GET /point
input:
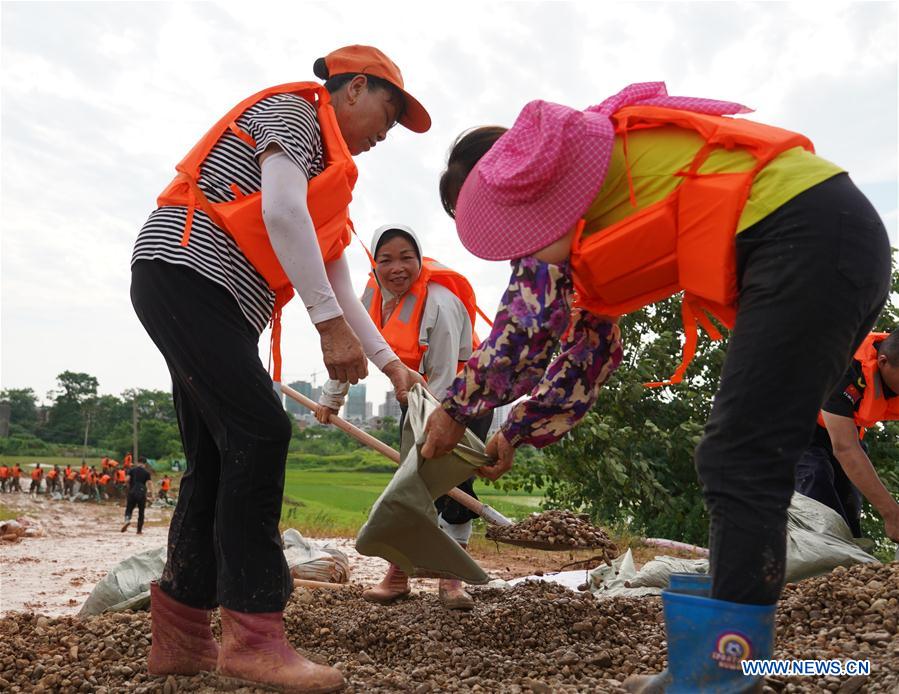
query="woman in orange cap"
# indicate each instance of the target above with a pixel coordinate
(258, 209)
(628, 203)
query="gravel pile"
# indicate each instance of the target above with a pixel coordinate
(536, 637)
(557, 530)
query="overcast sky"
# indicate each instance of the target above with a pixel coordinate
(100, 100)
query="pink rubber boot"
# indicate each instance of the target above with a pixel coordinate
(181, 641)
(393, 586)
(255, 650)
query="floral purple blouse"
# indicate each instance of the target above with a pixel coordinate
(535, 317)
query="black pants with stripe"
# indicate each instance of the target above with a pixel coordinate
(224, 546)
(813, 278)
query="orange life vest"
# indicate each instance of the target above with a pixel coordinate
(70, 473)
(4, 472)
(120, 476)
(16, 471)
(874, 406)
(104, 479)
(328, 199)
(83, 472)
(402, 328)
(685, 242)
(52, 474)
(37, 473)
(127, 461)
(166, 484)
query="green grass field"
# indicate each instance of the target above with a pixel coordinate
(28, 461)
(337, 503)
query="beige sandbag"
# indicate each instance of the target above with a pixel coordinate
(402, 526)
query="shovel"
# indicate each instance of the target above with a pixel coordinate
(488, 513)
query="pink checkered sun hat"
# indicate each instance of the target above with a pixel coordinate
(539, 178)
(535, 182)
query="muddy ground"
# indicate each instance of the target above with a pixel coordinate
(535, 637)
(53, 574)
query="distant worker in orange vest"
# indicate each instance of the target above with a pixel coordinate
(426, 312)
(36, 476)
(4, 476)
(259, 208)
(604, 211)
(103, 485)
(15, 478)
(127, 461)
(53, 480)
(835, 469)
(119, 479)
(68, 481)
(164, 488)
(82, 473)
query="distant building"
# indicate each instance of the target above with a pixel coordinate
(355, 409)
(390, 407)
(303, 388)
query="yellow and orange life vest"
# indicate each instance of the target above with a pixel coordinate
(402, 328)
(328, 198)
(685, 242)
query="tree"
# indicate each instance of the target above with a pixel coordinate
(72, 406)
(23, 407)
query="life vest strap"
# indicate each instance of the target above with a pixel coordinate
(242, 134)
(693, 314)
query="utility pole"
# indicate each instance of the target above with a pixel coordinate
(134, 428)
(87, 428)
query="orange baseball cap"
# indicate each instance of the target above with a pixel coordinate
(368, 60)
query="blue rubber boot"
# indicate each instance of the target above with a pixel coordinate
(707, 639)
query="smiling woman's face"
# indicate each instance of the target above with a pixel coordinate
(364, 115)
(397, 265)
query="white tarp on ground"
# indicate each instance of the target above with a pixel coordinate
(127, 585)
(818, 540)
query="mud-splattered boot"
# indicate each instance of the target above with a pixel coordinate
(255, 651)
(453, 596)
(182, 642)
(394, 586)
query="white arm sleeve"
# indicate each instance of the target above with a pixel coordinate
(374, 344)
(290, 230)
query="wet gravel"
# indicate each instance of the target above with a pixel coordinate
(536, 637)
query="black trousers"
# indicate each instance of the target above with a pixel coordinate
(820, 476)
(224, 545)
(813, 278)
(140, 502)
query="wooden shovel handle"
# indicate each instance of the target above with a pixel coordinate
(455, 493)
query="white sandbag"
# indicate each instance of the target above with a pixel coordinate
(127, 585)
(314, 561)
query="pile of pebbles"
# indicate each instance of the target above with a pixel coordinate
(536, 637)
(558, 530)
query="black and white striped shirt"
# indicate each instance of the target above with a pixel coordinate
(287, 120)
